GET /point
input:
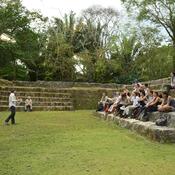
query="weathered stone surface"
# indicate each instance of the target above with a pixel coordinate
(156, 115)
(81, 98)
(43, 99)
(58, 84)
(41, 108)
(147, 129)
(158, 81)
(5, 83)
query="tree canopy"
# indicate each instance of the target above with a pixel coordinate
(92, 47)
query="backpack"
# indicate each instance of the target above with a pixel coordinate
(100, 107)
(163, 120)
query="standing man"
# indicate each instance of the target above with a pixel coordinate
(12, 107)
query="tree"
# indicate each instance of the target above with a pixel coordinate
(159, 12)
(154, 63)
(105, 20)
(59, 54)
(15, 21)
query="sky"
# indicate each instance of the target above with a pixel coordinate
(58, 8)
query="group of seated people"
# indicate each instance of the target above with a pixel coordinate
(136, 103)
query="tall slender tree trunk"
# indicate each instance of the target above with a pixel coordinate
(173, 55)
(14, 68)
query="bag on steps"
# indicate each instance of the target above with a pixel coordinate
(163, 120)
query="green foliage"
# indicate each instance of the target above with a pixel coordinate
(15, 23)
(159, 12)
(155, 63)
(59, 55)
(104, 50)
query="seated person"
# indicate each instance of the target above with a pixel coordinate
(168, 103)
(134, 104)
(123, 101)
(113, 106)
(110, 101)
(102, 102)
(172, 85)
(28, 104)
(146, 89)
(143, 98)
(136, 87)
(151, 106)
(172, 80)
(125, 90)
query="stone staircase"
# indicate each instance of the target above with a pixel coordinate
(161, 134)
(44, 99)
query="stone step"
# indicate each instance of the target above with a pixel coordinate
(161, 134)
(61, 84)
(40, 99)
(153, 116)
(34, 89)
(38, 94)
(5, 103)
(41, 108)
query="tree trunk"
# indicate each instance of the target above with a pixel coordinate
(174, 56)
(14, 69)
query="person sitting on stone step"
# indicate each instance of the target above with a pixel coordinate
(28, 104)
(142, 102)
(110, 102)
(116, 101)
(102, 102)
(172, 83)
(151, 106)
(146, 89)
(168, 103)
(125, 90)
(123, 101)
(134, 104)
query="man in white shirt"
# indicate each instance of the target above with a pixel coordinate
(12, 107)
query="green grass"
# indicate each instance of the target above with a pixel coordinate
(76, 143)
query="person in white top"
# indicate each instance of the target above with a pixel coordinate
(135, 103)
(172, 80)
(28, 104)
(12, 107)
(168, 87)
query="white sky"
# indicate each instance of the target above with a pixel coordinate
(58, 8)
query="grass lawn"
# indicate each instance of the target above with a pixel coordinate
(76, 143)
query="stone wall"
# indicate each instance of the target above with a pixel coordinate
(61, 84)
(88, 98)
(5, 83)
(85, 95)
(159, 81)
(161, 134)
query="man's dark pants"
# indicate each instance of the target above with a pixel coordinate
(12, 115)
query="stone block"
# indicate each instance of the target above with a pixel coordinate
(147, 129)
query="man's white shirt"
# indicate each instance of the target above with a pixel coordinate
(12, 100)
